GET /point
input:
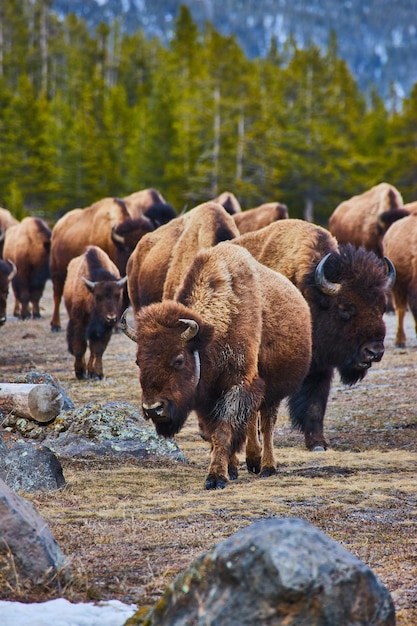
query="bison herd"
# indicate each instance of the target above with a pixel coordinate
(234, 311)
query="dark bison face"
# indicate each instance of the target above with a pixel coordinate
(348, 304)
(168, 356)
(107, 299)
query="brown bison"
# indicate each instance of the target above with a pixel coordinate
(7, 273)
(364, 219)
(152, 204)
(345, 288)
(6, 220)
(229, 201)
(92, 297)
(106, 224)
(235, 339)
(28, 244)
(257, 218)
(400, 244)
(155, 268)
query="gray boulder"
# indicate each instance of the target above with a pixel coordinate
(276, 572)
(29, 554)
(28, 466)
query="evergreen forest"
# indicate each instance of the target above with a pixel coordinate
(85, 115)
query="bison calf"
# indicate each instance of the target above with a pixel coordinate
(235, 339)
(92, 296)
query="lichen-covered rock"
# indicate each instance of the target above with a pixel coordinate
(28, 466)
(280, 572)
(113, 429)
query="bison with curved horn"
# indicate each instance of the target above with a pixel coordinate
(92, 296)
(346, 289)
(234, 340)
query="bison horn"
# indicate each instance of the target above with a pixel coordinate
(321, 281)
(191, 330)
(116, 237)
(128, 330)
(90, 283)
(391, 273)
(121, 282)
(13, 272)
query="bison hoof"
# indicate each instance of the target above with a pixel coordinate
(318, 448)
(268, 471)
(232, 471)
(253, 465)
(56, 329)
(216, 482)
(80, 375)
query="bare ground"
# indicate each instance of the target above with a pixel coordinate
(128, 528)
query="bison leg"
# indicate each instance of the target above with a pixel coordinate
(400, 301)
(97, 348)
(233, 467)
(308, 406)
(58, 289)
(268, 419)
(221, 441)
(77, 346)
(253, 446)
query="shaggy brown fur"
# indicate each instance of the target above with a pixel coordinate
(93, 307)
(157, 264)
(400, 246)
(27, 244)
(263, 215)
(364, 219)
(253, 340)
(106, 224)
(229, 201)
(151, 203)
(347, 319)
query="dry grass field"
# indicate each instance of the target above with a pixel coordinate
(128, 528)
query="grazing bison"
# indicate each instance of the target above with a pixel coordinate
(400, 244)
(6, 220)
(106, 224)
(151, 203)
(235, 339)
(363, 220)
(345, 288)
(7, 273)
(92, 297)
(155, 268)
(229, 201)
(28, 244)
(257, 218)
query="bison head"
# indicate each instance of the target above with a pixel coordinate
(107, 298)
(170, 339)
(347, 294)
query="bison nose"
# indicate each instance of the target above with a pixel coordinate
(153, 411)
(111, 318)
(2, 321)
(373, 352)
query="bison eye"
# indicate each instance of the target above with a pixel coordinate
(178, 362)
(346, 311)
